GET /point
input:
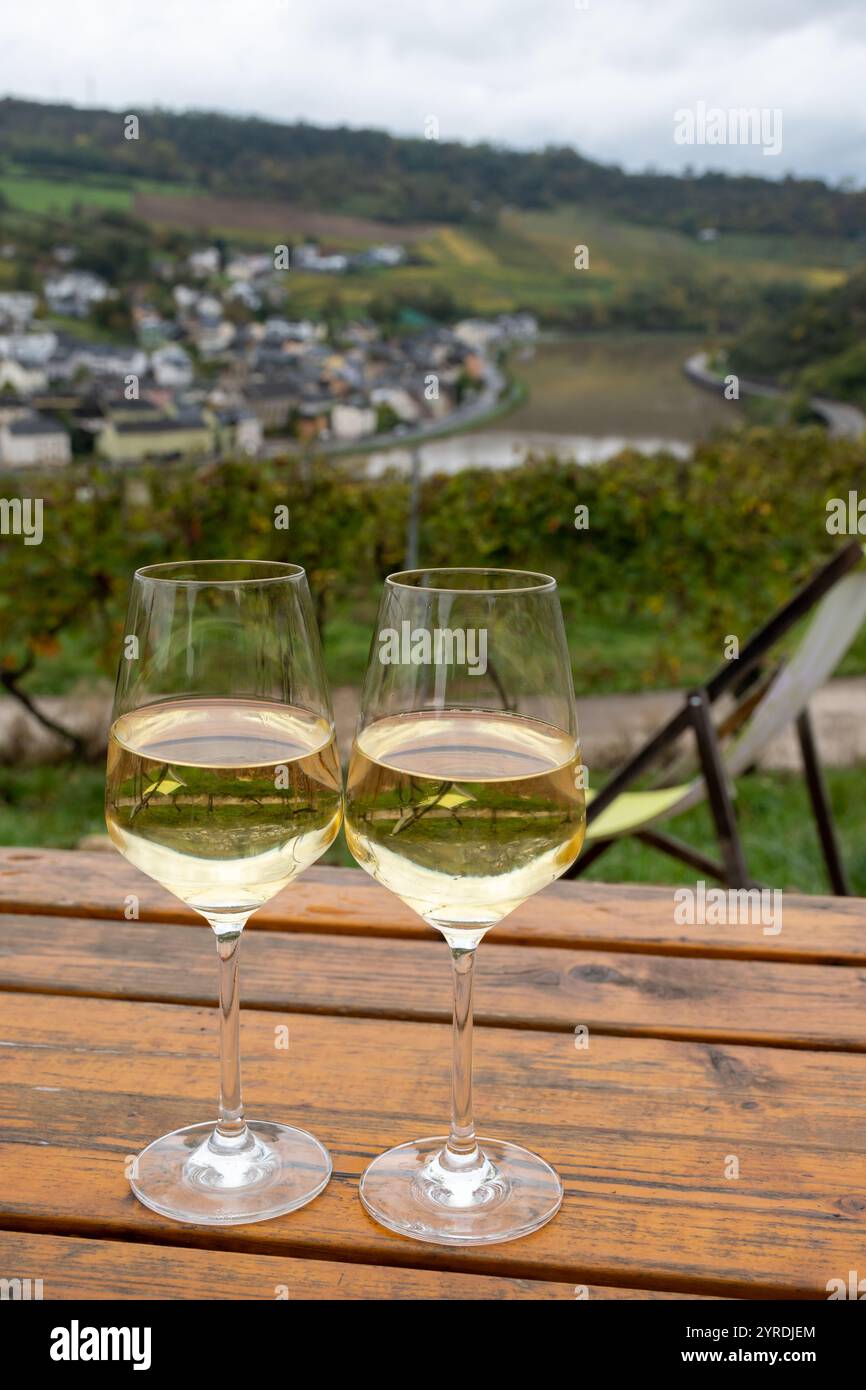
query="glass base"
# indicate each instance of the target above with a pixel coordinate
(500, 1193)
(196, 1175)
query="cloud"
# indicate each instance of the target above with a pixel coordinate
(606, 79)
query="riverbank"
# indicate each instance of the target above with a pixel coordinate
(581, 398)
(843, 421)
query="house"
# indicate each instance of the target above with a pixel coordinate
(477, 334)
(387, 255)
(75, 292)
(14, 376)
(213, 337)
(183, 434)
(312, 420)
(279, 330)
(30, 349)
(121, 411)
(242, 292)
(309, 257)
(11, 406)
(352, 420)
(185, 298)
(172, 366)
(360, 332)
(106, 359)
(240, 432)
(152, 330)
(204, 262)
(62, 364)
(404, 406)
(272, 401)
(246, 266)
(30, 440)
(208, 309)
(17, 309)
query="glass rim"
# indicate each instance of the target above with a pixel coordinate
(271, 572)
(536, 581)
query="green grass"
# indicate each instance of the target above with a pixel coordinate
(778, 830)
(42, 196)
(51, 805)
(56, 806)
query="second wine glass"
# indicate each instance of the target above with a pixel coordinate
(465, 796)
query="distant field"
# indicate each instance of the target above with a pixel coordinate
(526, 261)
(269, 219)
(44, 196)
(47, 195)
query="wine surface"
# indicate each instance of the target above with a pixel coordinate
(222, 801)
(464, 814)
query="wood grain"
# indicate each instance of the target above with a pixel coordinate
(530, 987)
(103, 1269)
(622, 917)
(641, 1131)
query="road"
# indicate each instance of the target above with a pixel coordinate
(843, 421)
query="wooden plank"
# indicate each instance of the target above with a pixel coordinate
(530, 987)
(623, 917)
(642, 1131)
(71, 1268)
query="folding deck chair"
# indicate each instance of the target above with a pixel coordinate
(762, 707)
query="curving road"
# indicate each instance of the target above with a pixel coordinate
(843, 421)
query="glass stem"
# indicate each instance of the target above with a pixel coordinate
(231, 1114)
(461, 1151)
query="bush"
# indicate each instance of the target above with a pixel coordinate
(676, 555)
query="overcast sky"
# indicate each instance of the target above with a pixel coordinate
(607, 78)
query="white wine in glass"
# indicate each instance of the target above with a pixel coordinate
(223, 784)
(223, 802)
(464, 813)
(465, 797)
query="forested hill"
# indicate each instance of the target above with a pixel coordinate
(366, 172)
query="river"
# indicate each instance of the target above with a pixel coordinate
(589, 397)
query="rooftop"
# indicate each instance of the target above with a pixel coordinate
(35, 424)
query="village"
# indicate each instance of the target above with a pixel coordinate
(213, 366)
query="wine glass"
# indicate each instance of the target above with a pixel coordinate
(464, 797)
(223, 784)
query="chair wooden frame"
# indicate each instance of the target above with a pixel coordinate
(695, 715)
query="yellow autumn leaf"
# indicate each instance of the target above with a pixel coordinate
(164, 787)
(449, 800)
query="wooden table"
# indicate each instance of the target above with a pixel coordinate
(706, 1045)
